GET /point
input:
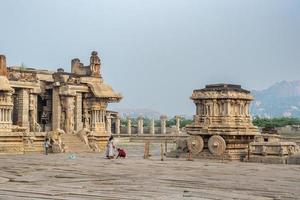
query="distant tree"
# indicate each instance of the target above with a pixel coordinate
(275, 122)
(169, 123)
(123, 121)
(147, 121)
(134, 121)
(185, 122)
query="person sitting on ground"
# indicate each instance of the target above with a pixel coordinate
(121, 153)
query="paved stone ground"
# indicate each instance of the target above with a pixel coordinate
(90, 176)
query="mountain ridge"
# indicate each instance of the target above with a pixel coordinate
(280, 99)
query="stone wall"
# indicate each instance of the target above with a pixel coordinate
(292, 130)
(21, 143)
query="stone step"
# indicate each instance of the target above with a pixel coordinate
(70, 143)
(78, 148)
(74, 144)
(77, 145)
(29, 148)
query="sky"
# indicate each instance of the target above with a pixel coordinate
(156, 52)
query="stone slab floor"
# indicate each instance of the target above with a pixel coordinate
(90, 176)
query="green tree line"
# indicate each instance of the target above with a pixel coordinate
(276, 122)
(260, 122)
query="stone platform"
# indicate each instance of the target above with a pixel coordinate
(90, 176)
(292, 160)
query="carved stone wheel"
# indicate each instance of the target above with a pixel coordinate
(195, 144)
(216, 145)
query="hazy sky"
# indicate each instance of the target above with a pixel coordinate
(156, 52)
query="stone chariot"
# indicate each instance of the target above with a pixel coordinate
(222, 126)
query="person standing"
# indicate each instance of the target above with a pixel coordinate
(46, 145)
(110, 148)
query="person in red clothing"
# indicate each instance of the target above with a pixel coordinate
(121, 153)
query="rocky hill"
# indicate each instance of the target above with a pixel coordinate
(281, 99)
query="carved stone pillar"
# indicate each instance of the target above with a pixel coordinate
(243, 109)
(33, 112)
(202, 108)
(163, 128)
(221, 107)
(215, 107)
(128, 126)
(152, 127)
(6, 106)
(227, 104)
(23, 114)
(108, 124)
(85, 114)
(93, 120)
(198, 108)
(231, 107)
(56, 109)
(234, 107)
(70, 114)
(177, 118)
(140, 125)
(78, 112)
(240, 108)
(102, 116)
(68, 107)
(118, 124)
(3, 67)
(247, 108)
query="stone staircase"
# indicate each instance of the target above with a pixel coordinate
(74, 144)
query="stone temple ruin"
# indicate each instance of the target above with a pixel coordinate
(35, 104)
